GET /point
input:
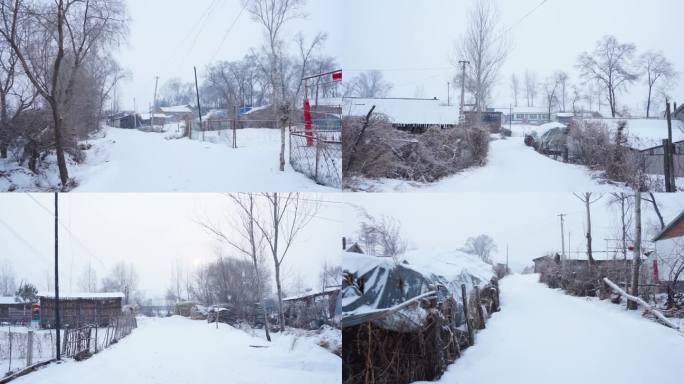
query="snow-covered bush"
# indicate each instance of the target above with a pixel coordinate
(379, 150)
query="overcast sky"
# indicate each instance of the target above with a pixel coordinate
(151, 231)
(168, 37)
(526, 222)
(414, 41)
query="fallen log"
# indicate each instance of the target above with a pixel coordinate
(641, 302)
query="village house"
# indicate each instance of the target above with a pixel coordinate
(78, 309)
(14, 311)
(527, 115)
(176, 113)
(159, 119)
(654, 162)
(678, 113)
(668, 256)
(127, 120)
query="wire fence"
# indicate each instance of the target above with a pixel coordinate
(318, 155)
(24, 347)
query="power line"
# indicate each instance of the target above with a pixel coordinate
(71, 233)
(23, 240)
(225, 36)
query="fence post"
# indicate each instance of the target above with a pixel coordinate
(480, 314)
(318, 158)
(64, 343)
(29, 348)
(471, 338)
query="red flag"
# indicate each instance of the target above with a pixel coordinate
(308, 123)
(337, 76)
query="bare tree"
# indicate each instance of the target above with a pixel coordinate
(122, 278)
(482, 246)
(369, 84)
(530, 87)
(330, 275)
(52, 42)
(8, 279)
(656, 67)
(11, 88)
(273, 15)
(515, 88)
(588, 200)
(280, 223)
(306, 52)
(249, 241)
(88, 279)
(636, 261)
(485, 48)
(610, 64)
(382, 237)
(550, 87)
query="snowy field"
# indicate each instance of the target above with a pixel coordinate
(512, 167)
(135, 161)
(179, 351)
(543, 336)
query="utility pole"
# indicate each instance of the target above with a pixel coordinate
(199, 106)
(154, 102)
(448, 94)
(562, 222)
(59, 356)
(463, 65)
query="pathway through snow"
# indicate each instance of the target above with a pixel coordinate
(544, 336)
(512, 166)
(135, 161)
(177, 350)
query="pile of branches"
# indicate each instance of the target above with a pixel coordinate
(377, 150)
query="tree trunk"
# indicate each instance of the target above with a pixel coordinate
(4, 128)
(276, 235)
(637, 251)
(589, 252)
(648, 102)
(59, 147)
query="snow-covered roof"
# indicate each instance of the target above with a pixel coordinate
(399, 111)
(671, 230)
(147, 116)
(9, 300)
(565, 114)
(647, 133)
(177, 109)
(543, 110)
(311, 294)
(83, 295)
(255, 109)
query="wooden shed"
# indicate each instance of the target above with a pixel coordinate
(14, 312)
(78, 309)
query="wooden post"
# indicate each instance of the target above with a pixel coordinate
(236, 121)
(29, 348)
(670, 183)
(471, 338)
(666, 165)
(480, 314)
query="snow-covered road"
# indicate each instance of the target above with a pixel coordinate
(511, 167)
(133, 161)
(544, 336)
(181, 351)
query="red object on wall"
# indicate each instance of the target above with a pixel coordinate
(655, 271)
(308, 123)
(337, 76)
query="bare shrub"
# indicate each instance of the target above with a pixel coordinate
(382, 151)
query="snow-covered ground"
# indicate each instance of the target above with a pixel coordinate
(179, 351)
(134, 161)
(544, 336)
(512, 167)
